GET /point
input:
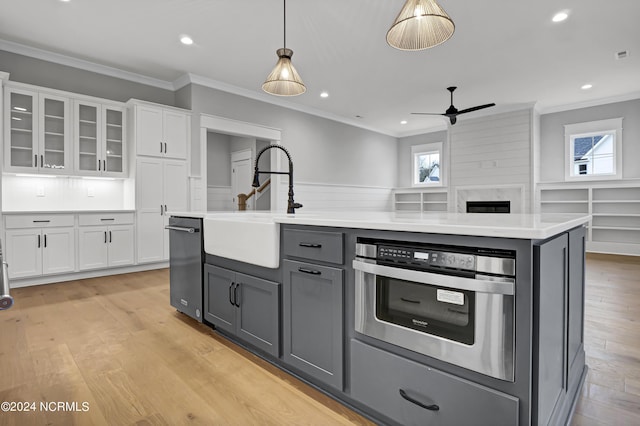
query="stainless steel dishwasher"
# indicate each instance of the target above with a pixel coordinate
(185, 260)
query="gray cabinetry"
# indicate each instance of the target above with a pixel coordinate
(414, 394)
(245, 306)
(313, 320)
(320, 246)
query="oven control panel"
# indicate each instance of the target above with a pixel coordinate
(425, 258)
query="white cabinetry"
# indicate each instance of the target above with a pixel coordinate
(161, 185)
(99, 132)
(37, 136)
(161, 131)
(105, 240)
(614, 210)
(39, 244)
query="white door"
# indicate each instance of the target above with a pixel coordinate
(23, 253)
(120, 245)
(175, 194)
(241, 177)
(149, 131)
(175, 134)
(92, 246)
(87, 137)
(21, 131)
(58, 250)
(55, 136)
(150, 209)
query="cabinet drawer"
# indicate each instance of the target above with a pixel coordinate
(314, 245)
(377, 377)
(95, 219)
(38, 220)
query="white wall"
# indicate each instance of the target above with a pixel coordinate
(552, 142)
(34, 193)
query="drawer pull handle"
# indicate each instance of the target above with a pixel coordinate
(311, 245)
(309, 271)
(231, 294)
(107, 219)
(41, 221)
(432, 407)
(235, 295)
(409, 300)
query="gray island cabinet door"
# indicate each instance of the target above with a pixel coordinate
(218, 308)
(258, 316)
(313, 320)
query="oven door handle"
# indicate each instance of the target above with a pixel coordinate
(481, 284)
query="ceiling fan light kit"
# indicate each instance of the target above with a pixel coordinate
(421, 24)
(284, 80)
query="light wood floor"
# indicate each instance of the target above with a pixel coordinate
(116, 344)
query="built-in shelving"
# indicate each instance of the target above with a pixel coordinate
(421, 200)
(614, 210)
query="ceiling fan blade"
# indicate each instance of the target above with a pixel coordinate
(426, 113)
(475, 108)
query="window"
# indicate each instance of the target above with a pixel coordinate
(427, 165)
(594, 150)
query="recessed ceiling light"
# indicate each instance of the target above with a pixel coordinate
(65, 1)
(586, 86)
(324, 95)
(403, 122)
(560, 16)
(185, 39)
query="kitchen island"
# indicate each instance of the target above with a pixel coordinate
(301, 306)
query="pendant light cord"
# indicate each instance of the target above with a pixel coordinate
(285, 24)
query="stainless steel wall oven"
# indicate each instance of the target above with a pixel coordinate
(452, 303)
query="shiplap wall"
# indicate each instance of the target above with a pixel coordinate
(493, 150)
(219, 198)
(314, 197)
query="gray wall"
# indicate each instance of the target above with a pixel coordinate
(28, 70)
(218, 159)
(404, 153)
(323, 151)
(552, 145)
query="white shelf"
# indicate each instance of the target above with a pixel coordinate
(614, 207)
(421, 200)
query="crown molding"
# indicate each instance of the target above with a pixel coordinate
(82, 64)
(590, 103)
(270, 99)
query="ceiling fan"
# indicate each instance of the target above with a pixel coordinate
(453, 112)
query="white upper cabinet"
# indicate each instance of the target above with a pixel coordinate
(37, 133)
(99, 139)
(161, 132)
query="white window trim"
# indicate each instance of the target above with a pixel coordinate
(419, 149)
(613, 125)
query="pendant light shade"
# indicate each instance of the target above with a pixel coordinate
(284, 80)
(421, 24)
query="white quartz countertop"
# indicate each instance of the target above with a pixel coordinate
(521, 226)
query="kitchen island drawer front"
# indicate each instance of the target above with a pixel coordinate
(102, 219)
(314, 245)
(413, 394)
(38, 220)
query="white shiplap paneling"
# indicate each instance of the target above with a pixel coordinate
(492, 151)
(340, 197)
(219, 198)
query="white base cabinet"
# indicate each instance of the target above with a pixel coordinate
(105, 240)
(37, 251)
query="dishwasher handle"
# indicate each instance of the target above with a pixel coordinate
(6, 301)
(181, 229)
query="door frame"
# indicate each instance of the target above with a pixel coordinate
(244, 129)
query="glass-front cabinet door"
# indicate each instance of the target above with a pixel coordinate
(114, 149)
(37, 133)
(21, 147)
(54, 135)
(87, 137)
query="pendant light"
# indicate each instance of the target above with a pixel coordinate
(421, 24)
(284, 80)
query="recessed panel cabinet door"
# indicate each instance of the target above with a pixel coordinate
(313, 320)
(149, 131)
(22, 252)
(219, 286)
(176, 133)
(120, 245)
(150, 236)
(58, 250)
(92, 246)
